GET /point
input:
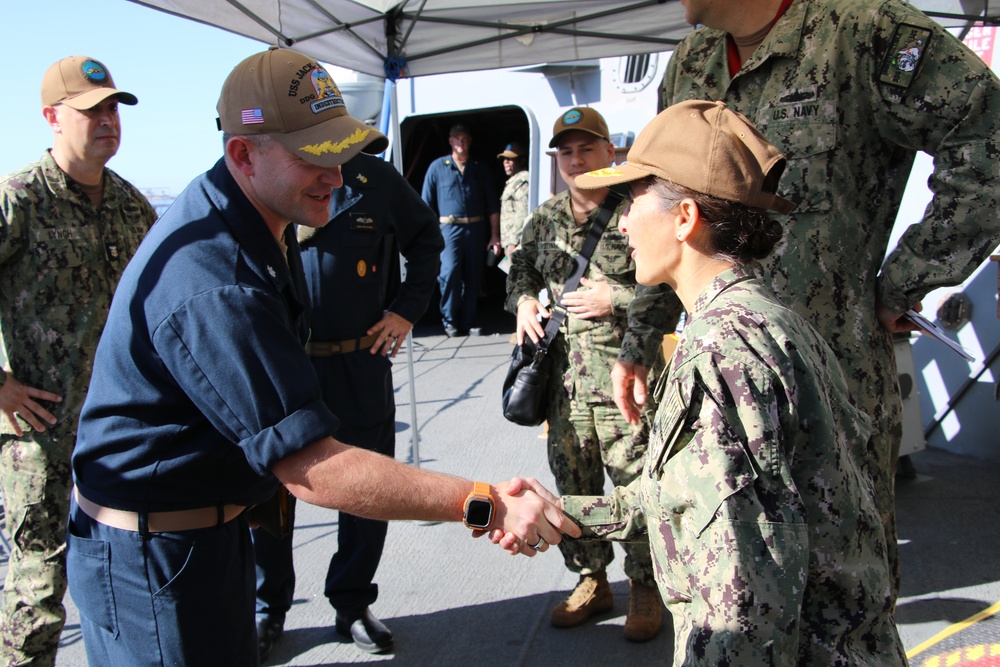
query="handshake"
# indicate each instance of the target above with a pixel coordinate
(529, 518)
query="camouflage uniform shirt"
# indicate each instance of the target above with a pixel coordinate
(513, 208)
(587, 435)
(60, 260)
(767, 546)
(849, 90)
(550, 242)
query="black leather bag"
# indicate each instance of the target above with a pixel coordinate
(524, 388)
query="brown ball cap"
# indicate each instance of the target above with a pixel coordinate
(584, 119)
(291, 97)
(81, 83)
(513, 150)
(705, 146)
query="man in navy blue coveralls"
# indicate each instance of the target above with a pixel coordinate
(352, 273)
(203, 401)
(461, 191)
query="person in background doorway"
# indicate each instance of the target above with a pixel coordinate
(514, 199)
(459, 189)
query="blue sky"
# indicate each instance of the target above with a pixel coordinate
(174, 66)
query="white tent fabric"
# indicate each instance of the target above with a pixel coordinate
(438, 36)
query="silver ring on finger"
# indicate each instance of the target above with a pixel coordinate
(538, 546)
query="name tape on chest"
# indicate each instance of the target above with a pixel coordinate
(362, 222)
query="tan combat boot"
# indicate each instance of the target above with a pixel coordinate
(645, 613)
(592, 595)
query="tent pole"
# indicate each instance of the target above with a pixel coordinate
(390, 115)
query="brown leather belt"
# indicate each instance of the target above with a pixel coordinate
(318, 348)
(158, 522)
(452, 220)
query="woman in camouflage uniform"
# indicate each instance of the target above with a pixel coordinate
(767, 544)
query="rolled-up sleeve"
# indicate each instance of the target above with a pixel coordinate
(253, 383)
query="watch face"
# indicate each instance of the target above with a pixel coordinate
(479, 513)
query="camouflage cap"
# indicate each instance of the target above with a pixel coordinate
(580, 118)
(81, 83)
(707, 147)
(290, 97)
(514, 150)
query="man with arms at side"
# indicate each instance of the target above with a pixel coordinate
(460, 190)
(514, 199)
(352, 273)
(203, 399)
(586, 435)
(68, 226)
(825, 82)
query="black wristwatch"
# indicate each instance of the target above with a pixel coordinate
(479, 507)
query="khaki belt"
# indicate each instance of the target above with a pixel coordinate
(330, 348)
(450, 220)
(159, 522)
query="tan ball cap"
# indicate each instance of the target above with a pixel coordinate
(81, 83)
(513, 150)
(580, 118)
(707, 147)
(291, 97)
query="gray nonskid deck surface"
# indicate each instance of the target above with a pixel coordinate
(453, 600)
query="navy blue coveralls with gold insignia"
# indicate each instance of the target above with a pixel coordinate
(464, 201)
(352, 272)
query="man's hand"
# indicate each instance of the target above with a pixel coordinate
(628, 383)
(508, 540)
(896, 322)
(391, 331)
(527, 320)
(593, 301)
(528, 516)
(494, 244)
(20, 400)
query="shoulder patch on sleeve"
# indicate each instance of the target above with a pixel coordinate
(907, 51)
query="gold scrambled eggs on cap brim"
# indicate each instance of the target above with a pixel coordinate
(609, 176)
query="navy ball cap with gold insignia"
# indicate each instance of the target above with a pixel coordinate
(292, 98)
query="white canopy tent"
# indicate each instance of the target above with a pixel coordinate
(409, 38)
(420, 37)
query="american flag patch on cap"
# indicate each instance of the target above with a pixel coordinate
(252, 116)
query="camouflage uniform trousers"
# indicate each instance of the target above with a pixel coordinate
(36, 480)
(586, 438)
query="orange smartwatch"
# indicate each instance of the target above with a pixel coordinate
(479, 507)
